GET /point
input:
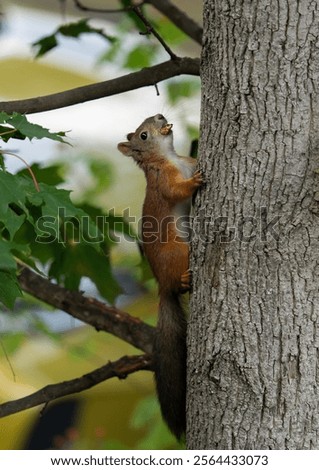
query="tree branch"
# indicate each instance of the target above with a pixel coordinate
(168, 9)
(82, 7)
(179, 18)
(120, 368)
(89, 310)
(145, 77)
(151, 30)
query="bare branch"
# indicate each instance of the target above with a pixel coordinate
(151, 30)
(89, 310)
(145, 77)
(179, 18)
(82, 7)
(120, 368)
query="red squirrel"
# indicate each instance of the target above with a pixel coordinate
(171, 182)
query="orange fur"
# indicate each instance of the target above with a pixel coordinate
(171, 182)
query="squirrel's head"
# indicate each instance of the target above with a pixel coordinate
(153, 137)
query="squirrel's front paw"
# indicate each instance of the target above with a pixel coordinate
(197, 179)
(186, 281)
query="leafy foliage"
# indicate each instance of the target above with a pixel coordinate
(16, 126)
(71, 30)
(9, 287)
(50, 175)
(45, 229)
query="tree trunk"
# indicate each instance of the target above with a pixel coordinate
(253, 370)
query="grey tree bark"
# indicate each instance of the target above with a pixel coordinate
(253, 366)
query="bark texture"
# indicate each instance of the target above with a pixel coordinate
(253, 366)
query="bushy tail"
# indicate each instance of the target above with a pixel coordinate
(170, 362)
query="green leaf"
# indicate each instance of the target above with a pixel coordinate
(7, 261)
(82, 260)
(19, 127)
(72, 30)
(50, 175)
(10, 194)
(30, 130)
(3, 117)
(9, 289)
(7, 133)
(12, 222)
(109, 223)
(46, 226)
(45, 45)
(59, 210)
(15, 213)
(140, 57)
(77, 245)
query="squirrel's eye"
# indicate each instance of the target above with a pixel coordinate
(143, 135)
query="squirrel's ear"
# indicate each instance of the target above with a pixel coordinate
(125, 148)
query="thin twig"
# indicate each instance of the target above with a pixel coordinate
(137, 10)
(35, 182)
(179, 18)
(8, 360)
(120, 368)
(151, 30)
(82, 7)
(167, 8)
(11, 131)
